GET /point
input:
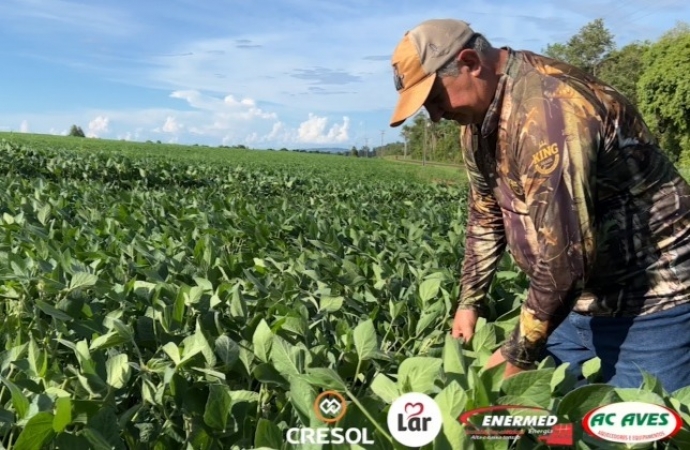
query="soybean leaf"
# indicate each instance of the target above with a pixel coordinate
(217, 407)
(385, 388)
(63, 414)
(268, 435)
(262, 340)
(421, 372)
(365, 340)
(37, 433)
(429, 289)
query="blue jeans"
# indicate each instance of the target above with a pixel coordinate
(657, 343)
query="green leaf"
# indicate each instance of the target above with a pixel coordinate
(482, 395)
(429, 289)
(217, 407)
(227, 350)
(562, 381)
(110, 339)
(420, 372)
(38, 360)
(484, 338)
(96, 440)
(302, 397)
(103, 427)
(385, 388)
(532, 384)
(324, 378)
(82, 280)
(493, 378)
(172, 351)
(452, 400)
(591, 368)
(37, 433)
(268, 435)
(331, 304)
(267, 374)
(652, 384)
(429, 317)
(52, 311)
(453, 359)
(281, 357)
(639, 395)
(63, 414)
(118, 370)
(575, 404)
(19, 400)
(365, 340)
(262, 340)
(682, 395)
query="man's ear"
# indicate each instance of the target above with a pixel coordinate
(471, 60)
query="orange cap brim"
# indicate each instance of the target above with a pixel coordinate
(411, 100)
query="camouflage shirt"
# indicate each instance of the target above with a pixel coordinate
(565, 174)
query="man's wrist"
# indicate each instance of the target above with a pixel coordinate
(510, 356)
(478, 307)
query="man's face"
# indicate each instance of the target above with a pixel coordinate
(464, 98)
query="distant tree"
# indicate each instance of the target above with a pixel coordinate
(664, 92)
(76, 131)
(587, 49)
(353, 152)
(621, 69)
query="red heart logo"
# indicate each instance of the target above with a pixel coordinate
(413, 409)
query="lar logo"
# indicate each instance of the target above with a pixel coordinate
(414, 419)
(330, 408)
(632, 422)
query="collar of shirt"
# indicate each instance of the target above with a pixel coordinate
(494, 112)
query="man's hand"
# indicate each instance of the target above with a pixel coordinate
(464, 323)
(497, 358)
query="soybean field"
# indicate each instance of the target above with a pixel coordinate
(172, 297)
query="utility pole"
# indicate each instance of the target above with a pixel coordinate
(405, 148)
(381, 150)
(426, 127)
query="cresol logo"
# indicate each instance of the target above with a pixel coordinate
(632, 422)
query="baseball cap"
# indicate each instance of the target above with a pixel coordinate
(421, 52)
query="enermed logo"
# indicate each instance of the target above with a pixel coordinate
(513, 421)
(329, 407)
(414, 419)
(632, 422)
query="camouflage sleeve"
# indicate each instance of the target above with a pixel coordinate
(484, 239)
(555, 155)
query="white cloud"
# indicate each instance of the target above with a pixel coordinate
(171, 125)
(67, 16)
(24, 127)
(313, 131)
(98, 126)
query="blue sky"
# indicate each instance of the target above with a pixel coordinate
(266, 74)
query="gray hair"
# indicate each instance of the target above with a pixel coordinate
(478, 43)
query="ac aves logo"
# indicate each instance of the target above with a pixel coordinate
(632, 422)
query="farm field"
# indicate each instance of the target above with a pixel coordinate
(170, 297)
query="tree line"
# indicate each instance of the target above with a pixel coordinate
(655, 76)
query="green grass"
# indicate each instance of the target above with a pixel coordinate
(362, 168)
